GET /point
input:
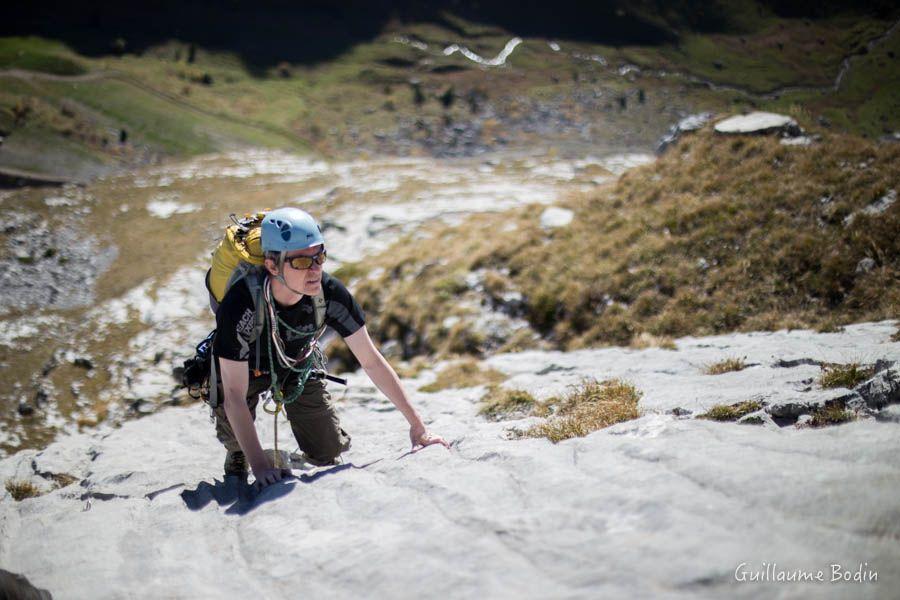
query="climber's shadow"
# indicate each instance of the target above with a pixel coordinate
(240, 497)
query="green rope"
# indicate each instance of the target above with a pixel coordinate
(304, 371)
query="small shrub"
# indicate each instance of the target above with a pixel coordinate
(845, 376)
(462, 374)
(586, 408)
(834, 414)
(725, 366)
(499, 403)
(20, 489)
(733, 412)
(462, 339)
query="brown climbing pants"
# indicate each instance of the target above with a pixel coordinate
(313, 420)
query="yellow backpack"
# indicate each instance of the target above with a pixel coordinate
(240, 249)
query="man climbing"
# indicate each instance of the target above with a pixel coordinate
(282, 357)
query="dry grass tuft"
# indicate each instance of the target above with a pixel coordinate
(845, 376)
(501, 403)
(733, 412)
(648, 340)
(713, 237)
(465, 373)
(833, 414)
(586, 408)
(63, 479)
(20, 489)
(725, 366)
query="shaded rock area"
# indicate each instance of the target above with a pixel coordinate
(589, 115)
(882, 389)
(48, 265)
(17, 587)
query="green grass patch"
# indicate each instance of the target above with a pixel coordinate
(725, 366)
(20, 489)
(731, 412)
(465, 373)
(36, 54)
(587, 407)
(845, 376)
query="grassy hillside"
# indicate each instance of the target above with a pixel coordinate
(67, 94)
(721, 234)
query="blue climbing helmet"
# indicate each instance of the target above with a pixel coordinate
(289, 228)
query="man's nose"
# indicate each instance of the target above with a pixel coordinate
(315, 267)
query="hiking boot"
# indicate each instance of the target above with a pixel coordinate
(236, 464)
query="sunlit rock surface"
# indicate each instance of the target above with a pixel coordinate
(665, 505)
(757, 122)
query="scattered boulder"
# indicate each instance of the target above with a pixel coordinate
(687, 124)
(803, 421)
(882, 204)
(680, 412)
(883, 364)
(554, 217)
(511, 303)
(800, 140)
(759, 123)
(865, 265)
(882, 389)
(876, 208)
(43, 393)
(789, 364)
(84, 362)
(793, 408)
(760, 417)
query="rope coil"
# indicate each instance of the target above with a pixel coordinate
(312, 359)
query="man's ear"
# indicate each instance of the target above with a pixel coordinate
(271, 267)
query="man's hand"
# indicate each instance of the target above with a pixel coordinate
(268, 476)
(420, 438)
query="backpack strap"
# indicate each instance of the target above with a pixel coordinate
(320, 309)
(213, 376)
(255, 278)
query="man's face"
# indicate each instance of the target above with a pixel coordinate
(307, 281)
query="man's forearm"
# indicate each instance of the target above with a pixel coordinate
(238, 414)
(386, 380)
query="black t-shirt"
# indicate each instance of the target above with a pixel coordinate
(235, 320)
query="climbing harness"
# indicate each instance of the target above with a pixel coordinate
(309, 361)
